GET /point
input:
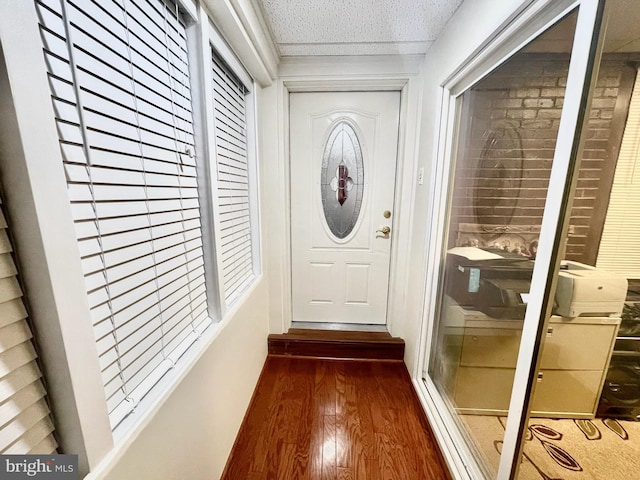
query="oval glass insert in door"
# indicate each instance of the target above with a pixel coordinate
(342, 180)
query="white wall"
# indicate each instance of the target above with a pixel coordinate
(274, 259)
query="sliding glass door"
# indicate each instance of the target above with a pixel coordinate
(585, 405)
(512, 123)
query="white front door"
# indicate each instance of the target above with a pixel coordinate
(343, 149)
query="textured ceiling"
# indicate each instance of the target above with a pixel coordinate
(355, 27)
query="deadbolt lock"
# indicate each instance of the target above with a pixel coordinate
(386, 214)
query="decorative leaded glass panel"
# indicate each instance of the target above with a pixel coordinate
(342, 180)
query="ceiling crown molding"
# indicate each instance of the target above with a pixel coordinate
(243, 27)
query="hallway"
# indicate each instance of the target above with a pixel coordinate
(334, 419)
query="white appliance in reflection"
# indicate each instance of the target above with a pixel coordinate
(584, 290)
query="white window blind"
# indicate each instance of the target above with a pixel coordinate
(121, 92)
(233, 187)
(620, 243)
(25, 421)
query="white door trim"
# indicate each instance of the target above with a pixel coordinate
(408, 87)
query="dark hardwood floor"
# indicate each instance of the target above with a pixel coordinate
(323, 419)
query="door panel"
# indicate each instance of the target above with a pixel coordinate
(343, 148)
(507, 158)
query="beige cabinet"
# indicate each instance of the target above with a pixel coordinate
(482, 354)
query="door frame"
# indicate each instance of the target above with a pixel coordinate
(397, 75)
(526, 23)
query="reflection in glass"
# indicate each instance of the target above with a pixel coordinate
(595, 336)
(506, 135)
(342, 179)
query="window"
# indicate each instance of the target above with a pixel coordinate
(235, 184)
(121, 91)
(342, 183)
(619, 248)
(25, 423)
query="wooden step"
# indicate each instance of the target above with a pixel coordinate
(337, 344)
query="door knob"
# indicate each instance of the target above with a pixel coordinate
(384, 230)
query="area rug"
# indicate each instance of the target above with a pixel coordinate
(565, 449)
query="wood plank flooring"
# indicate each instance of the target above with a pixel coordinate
(322, 419)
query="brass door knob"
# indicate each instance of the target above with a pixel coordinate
(384, 230)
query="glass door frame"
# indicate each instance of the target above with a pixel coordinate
(529, 22)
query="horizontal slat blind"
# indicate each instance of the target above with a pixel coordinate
(120, 87)
(229, 95)
(620, 244)
(25, 421)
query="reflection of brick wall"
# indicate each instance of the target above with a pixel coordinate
(502, 178)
